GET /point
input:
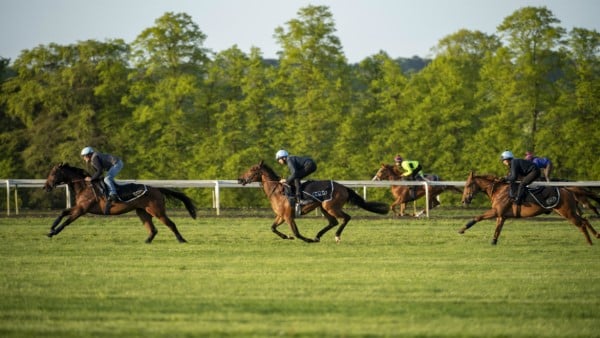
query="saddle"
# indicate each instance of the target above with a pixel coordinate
(125, 192)
(317, 191)
(546, 197)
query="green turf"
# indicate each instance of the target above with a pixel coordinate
(388, 277)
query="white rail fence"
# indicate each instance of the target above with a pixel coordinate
(217, 185)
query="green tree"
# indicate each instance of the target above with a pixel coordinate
(312, 88)
(166, 97)
(66, 97)
(578, 110)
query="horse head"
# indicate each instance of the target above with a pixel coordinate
(386, 172)
(254, 174)
(63, 173)
(470, 189)
(55, 177)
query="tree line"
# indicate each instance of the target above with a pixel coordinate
(173, 109)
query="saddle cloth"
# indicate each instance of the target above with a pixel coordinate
(125, 192)
(546, 197)
(318, 191)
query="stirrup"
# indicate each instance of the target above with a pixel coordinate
(298, 210)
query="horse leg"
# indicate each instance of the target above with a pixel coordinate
(580, 222)
(64, 213)
(332, 223)
(171, 225)
(499, 223)
(296, 232)
(73, 213)
(486, 215)
(147, 221)
(278, 221)
(338, 233)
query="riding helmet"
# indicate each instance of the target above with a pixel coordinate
(398, 158)
(87, 151)
(507, 155)
(281, 154)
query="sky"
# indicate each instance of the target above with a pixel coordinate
(401, 28)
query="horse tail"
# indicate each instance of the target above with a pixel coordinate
(189, 204)
(376, 207)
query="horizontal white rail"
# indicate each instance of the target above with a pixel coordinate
(216, 185)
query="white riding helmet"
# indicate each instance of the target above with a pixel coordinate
(507, 155)
(87, 151)
(280, 154)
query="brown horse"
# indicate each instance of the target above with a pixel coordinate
(503, 206)
(88, 199)
(584, 197)
(330, 207)
(404, 194)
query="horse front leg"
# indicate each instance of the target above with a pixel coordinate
(296, 232)
(73, 215)
(499, 223)
(278, 221)
(486, 215)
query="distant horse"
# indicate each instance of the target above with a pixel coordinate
(329, 196)
(89, 199)
(503, 208)
(404, 193)
(585, 197)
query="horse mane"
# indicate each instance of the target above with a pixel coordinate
(270, 172)
(73, 170)
(488, 177)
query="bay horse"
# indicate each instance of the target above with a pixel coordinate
(503, 206)
(88, 199)
(403, 193)
(331, 208)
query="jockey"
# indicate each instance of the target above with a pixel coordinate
(521, 169)
(412, 169)
(300, 167)
(101, 162)
(542, 163)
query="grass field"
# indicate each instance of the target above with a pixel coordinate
(388, 277)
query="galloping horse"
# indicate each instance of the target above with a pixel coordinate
(503, 208)
(88, 199)
(330, 207)
(403, 193)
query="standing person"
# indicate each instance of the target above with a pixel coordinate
(101, 162)
(521, 169)
(300, 167)
(543, 163)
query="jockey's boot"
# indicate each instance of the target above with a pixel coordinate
(519, 196)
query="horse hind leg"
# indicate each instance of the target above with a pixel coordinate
(332, 222)
(171, 225)
(147, 221)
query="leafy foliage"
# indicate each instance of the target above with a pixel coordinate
(173, 109)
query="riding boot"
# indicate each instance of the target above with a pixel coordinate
(519, 195)
(107, 206)
(298, 191)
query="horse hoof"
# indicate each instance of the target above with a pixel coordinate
(50, 234)
(494, 241)
(316, 240)
(337, 239)
(461, 231)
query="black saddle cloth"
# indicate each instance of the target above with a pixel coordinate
(125, 192)
(318, 191)
(546, 197)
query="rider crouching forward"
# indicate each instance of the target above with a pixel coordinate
(101, 162)
(522, 169)
(300, 167)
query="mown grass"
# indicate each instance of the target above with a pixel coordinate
(388, 277)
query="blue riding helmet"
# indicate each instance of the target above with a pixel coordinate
(87, 151)
(281, 154)
(507, 155)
